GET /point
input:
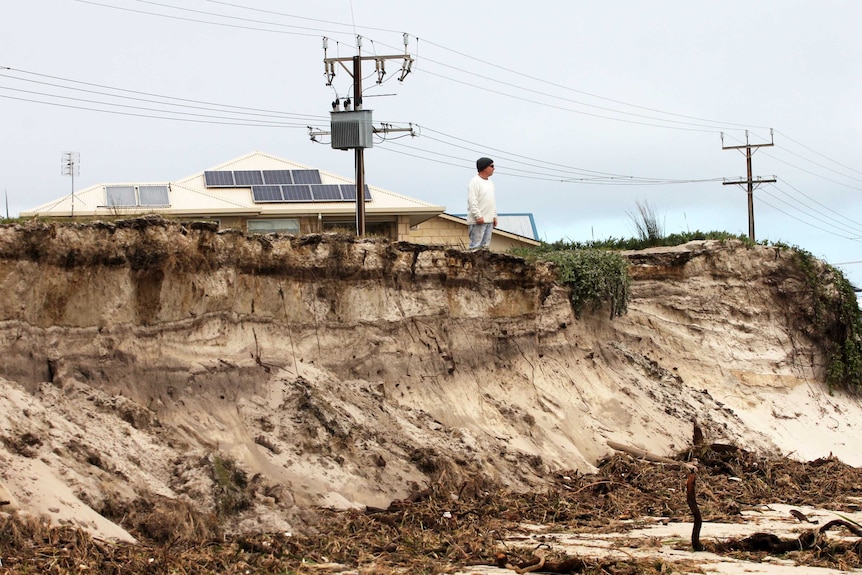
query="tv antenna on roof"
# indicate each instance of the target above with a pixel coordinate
(70, 165)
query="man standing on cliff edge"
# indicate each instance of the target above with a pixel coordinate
(481, 205)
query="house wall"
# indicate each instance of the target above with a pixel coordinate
(312, 225)
(440, 231)
(236, 222)
(309, 225)
(436, 231)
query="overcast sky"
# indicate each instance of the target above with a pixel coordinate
(587, 108)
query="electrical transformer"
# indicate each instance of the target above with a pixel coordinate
(351, 129)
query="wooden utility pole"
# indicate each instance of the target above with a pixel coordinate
(750, 180)
(356, 73)
(360, 152)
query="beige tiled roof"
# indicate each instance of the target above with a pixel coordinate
(191, 196)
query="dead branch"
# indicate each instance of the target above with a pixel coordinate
(566, 565)
(774, 545)
(801, 516)
(691, 498)
(854, 529)
(644, 454)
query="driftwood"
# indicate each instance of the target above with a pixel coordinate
(777, 546)
(801, 516)
(644, 454)
(539, 563)
(691, 498)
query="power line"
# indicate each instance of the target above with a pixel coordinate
(563, 108)
(244, 112)
(818, 153)
(761, 200)
(184, 19)
(822, 177)
(564, 178)
(353, 26)
(157, 117)
(534, 78)
(137, 92)
(476, 147)
(854, 223)
(208, 107)
(825, 220)
(713, 126)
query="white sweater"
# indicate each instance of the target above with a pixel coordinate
(481, 200)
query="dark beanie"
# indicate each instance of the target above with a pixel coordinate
(483, 163)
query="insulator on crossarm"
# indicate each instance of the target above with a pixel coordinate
(405, 68)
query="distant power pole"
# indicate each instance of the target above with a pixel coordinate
(70, 165)
(352, 132)
(750, 181)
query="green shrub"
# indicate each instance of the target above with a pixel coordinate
(596, 277)
(638, 243)
(230, 486)
(835, 322)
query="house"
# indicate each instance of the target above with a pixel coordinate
(261, 193)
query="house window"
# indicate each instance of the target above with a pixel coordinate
(285, 226)
(381, 229)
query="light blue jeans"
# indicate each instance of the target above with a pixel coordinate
(480, 235)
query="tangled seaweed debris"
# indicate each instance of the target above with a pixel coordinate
(450, 527)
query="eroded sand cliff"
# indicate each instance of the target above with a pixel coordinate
(350, 372)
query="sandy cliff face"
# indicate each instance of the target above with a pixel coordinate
(139, 355)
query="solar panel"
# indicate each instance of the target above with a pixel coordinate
(306, 177)
(247, 177)
(348, 192)
(296, 193)
(277, 177)
(120, 196)
(153, 196)
(218, 179)
(266, 194)
(326, 193)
